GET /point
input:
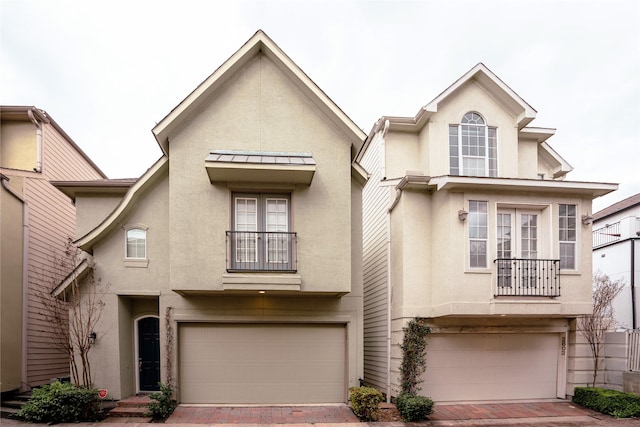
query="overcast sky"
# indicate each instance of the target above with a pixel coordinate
(108, 71)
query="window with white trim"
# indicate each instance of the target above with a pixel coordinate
(136, 243)
(478, 233)
(567, 231)
(473, 147)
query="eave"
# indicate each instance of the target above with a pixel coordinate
(116, 187)
(453, 183)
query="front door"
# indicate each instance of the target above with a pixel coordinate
(149, 353)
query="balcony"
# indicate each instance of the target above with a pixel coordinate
(261, 251)
(527, 277)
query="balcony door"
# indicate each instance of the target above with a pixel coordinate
(261, 238)
(518, 240)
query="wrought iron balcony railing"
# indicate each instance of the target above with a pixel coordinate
(527, 277)
(261, 251)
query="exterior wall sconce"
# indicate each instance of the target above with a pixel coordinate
(462, 215)
(587, 219)
(92, 338)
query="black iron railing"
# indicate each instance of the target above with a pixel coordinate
(261, 251)
(607, 234)
(527, 277)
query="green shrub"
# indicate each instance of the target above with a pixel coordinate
(364, 402)
(610, 402)
(162, 404)
(61, 403)
(414, 408)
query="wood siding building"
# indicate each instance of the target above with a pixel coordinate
(34, 150)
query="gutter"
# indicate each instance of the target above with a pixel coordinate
(25, 275)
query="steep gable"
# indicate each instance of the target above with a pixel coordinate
(259, 44)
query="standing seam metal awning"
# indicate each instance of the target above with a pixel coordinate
(260, 166)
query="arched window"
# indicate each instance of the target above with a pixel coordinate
(473, 147)
(136, 244)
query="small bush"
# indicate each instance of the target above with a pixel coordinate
(61, 403)
(414, 408)
(364, 402)
(610, 402)
(162, 404)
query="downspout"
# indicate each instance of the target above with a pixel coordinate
(25, 276)
(633, 282)
(393, 205)
(38, 167)
(388, 243)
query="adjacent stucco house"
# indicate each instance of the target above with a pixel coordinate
(36, 221)
(234, 263)
(616, 253)
(469, 221)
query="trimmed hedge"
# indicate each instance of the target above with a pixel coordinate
(364, 402)
(414, 408)
(610, 402)
(61, 403)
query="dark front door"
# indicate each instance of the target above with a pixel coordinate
(149, 353)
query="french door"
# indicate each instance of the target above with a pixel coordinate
(518, 241)
(261, 232)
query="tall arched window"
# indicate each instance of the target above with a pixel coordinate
(473, 147)
(136, 244)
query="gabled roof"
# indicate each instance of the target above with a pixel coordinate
(479, 74)
(260, 43)
(499, 89)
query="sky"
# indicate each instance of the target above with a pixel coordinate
(108, 71)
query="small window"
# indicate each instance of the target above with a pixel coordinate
(478, 233)
(567, 231)
(136, 245)
(473, 147)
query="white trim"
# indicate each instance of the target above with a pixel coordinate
(136, 349)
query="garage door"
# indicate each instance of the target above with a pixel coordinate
(491, 366)
(262, 363)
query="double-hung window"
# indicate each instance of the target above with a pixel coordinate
(567, 236)
(478, 233)
(473, 147)
(260, 238)
(136, 243)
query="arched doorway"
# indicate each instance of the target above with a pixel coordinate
(148, 353)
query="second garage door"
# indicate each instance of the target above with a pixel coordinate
(491, 366)
(262, 363)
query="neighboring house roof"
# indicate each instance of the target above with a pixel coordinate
(13, 112)
(117, 186)
(620, 206)
(260, 43)
(133, 195)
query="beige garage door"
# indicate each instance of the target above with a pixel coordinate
(491, 366)
(262, 363)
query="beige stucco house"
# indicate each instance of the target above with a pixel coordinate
(470, 222)
(234, 263)
(36, 220)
